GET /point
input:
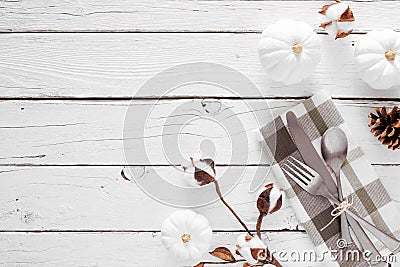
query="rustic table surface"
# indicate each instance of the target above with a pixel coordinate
(70, 69)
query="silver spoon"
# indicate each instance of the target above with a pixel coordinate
(334, 147)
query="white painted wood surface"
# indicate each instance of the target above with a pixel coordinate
(116, 65)
(49, 132)
(98, 198)
(128, 249)
(178, 16)
(68, 70)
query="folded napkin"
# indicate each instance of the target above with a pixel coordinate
(360, 182)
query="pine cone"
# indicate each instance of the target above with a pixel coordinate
(386, 125)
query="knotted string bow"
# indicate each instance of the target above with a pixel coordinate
(336, 212)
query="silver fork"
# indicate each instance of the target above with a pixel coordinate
(312, 182)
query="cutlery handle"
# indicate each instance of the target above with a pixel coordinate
(390, 242)
(365, 242)
(344, 224)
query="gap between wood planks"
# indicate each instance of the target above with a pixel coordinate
(69, 98)
(155, 165)
(161, 31)
(144, 231)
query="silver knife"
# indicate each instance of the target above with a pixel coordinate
(308, 152)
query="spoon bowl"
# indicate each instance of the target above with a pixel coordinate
(334, 148)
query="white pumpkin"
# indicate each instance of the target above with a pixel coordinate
(186, 235)
(378, 59)
(289, 50)
(337, 19)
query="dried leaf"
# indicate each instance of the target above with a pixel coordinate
(347, 16)
(223, 254)
(264, 204)
(204, 171)
(257, 253)
(278, 206)
(323, 25)
(325, 8)
(199, 265)
(341, 34)
(124, 176)
(263, 201)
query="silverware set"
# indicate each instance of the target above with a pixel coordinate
(315, 178)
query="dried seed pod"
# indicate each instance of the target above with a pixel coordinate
(202, 171)
(268, 202)
(251, 248)
(337, 19)
(270, 199)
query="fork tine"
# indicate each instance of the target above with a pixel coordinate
(310, 170)
(299, 172)
(296, 176)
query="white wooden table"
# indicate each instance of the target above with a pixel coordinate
(69, 70)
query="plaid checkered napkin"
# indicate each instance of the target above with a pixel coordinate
(359, 180)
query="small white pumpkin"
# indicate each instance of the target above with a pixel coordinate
(186, 235)
(289, 50)
(378, 59)
(337, 19)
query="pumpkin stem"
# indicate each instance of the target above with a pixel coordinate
(390, 55)
(186, 238)
(297, 48)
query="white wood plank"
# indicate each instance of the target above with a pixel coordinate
(123, 15)
(116, 65)
(91, 132)
(98, 198)
(118, 249)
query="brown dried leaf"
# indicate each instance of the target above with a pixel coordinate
(323, 25)
(203, 177)
(263, 201)
(199, 265)
(347, 16)
(341, 34)
(223, 254)
(277, 207)
(124, 176)
(257, 253)
(325, 8)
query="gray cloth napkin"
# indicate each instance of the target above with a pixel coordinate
(360, 182)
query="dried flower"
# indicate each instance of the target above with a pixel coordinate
(268, 202)
(254, 251)
(251, 248)
(202, 171)
(337, 19)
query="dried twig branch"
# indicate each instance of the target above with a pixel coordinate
(218, 189)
